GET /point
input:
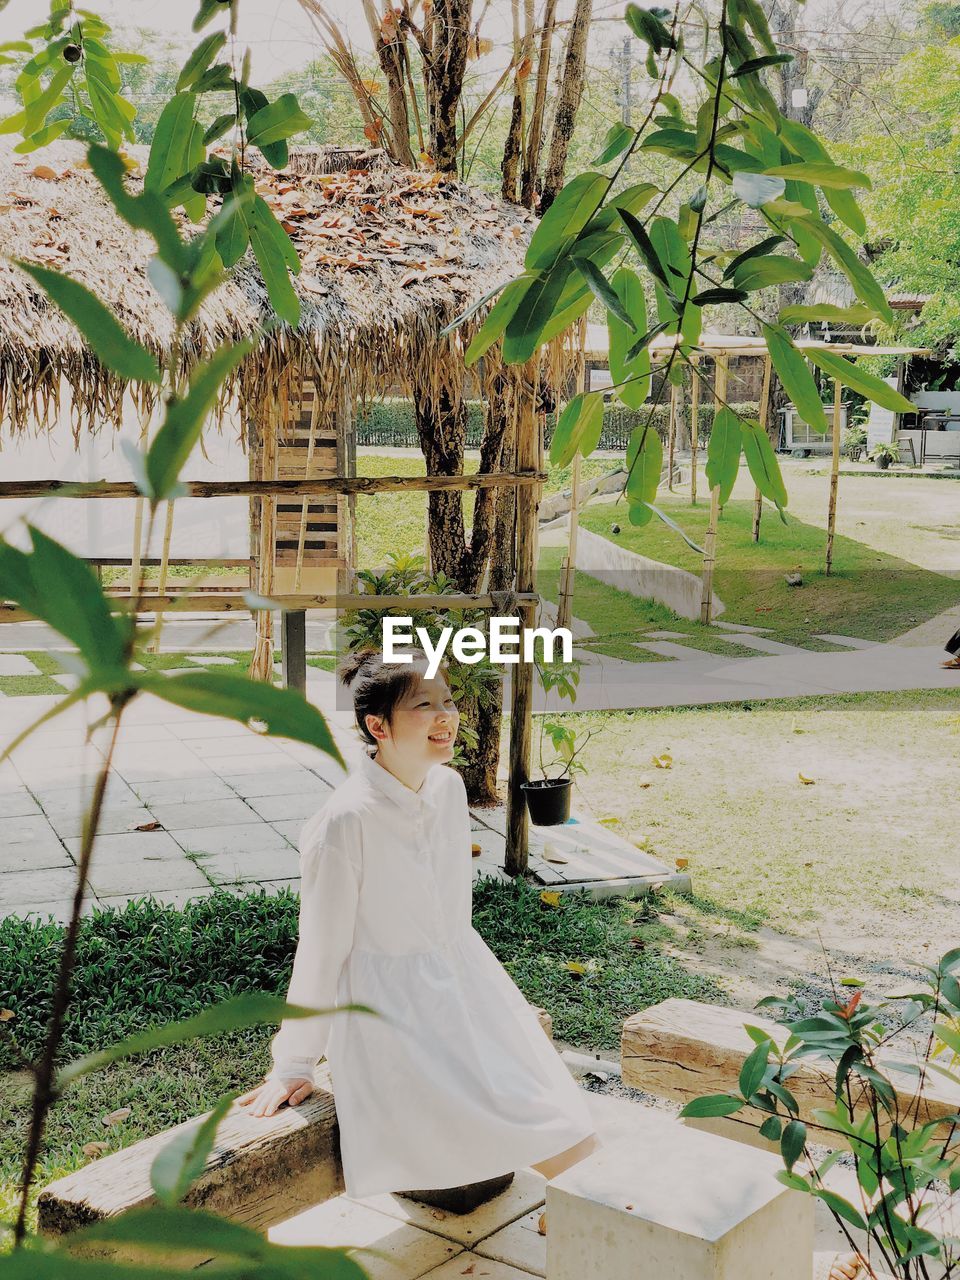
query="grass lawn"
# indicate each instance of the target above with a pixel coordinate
(871, 594)
(147, 965)
(863, 857)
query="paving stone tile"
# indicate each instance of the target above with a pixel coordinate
(17, 804)
(62, 910)
(136, 877)
(135, 735)
(475, 1267)
(208, 727)
(283, 808)
(133, 848)
(266, 763)
(290, 830)
(203, 813)
(114, 819)
(15, 664)
(525, 1193)
(40, 851)
(154, 764)
(294, 780)
(251, 744)
(51, 885)
(28, 829)
(520, 1244)
(274, 886)
(227, 867)
(183, 790)
(163, 897)
(75, 799)
(241, 839)
(410, 1252)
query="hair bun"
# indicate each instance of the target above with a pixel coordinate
(351, 664)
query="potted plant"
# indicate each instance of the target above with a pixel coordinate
(548, 797)
(854, 441)
(884, 454)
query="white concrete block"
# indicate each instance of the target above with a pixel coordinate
(670, 1201)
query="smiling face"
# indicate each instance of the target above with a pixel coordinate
(422, 728)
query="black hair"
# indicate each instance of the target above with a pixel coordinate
(378, 686)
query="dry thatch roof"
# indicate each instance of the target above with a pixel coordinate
(389, 257)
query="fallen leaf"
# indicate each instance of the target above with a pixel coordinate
(808, 864)
(115, 1117)
(147, 826)
(807, 782)
(681, 863)
(44, 171)
(637, 942)
(95, 1149)
(551, 897)
(662, 762)
(542, 1223)
(476, 850)
(6, 1015)
(644, 781)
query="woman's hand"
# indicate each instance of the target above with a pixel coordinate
(267, 1097)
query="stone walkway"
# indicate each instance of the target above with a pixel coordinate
(196, 802)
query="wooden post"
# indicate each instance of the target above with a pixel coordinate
(834, 473)
(261, 664)
(521, 709)
(764, 411)
(293, 629)
(694, 427)
(672, 433)
(710, 541)
(568, 569)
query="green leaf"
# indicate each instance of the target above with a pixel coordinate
(564, 220)
(281, 713)
(867, 384)
(108, 340)
(771, 1128)
(723, 462)
(578, 429)
(60, 589)
(219, 127)
(857, 314)
(524, 329)
(753, 65)
(274, 253)
(146, 211)
(184, 419)
(842, 1208)
(168, 151)
(277, 121)
(757, 20)
(200, 59)
(632, 375)
(755, 251)
(822, 174)
(865, 285)
(671, 524)
(716, 297)
(618, 138)
(755, 1064)
(644, 465)
(761, 273)
(756, 189)
(647, 26)
(792, 1141)
(714, 1104)
(600, 288)
(675, 255)
(497, 319)
(239, 1011)
(36, 112)
(763, 464)
(176, 1166)
(793, 1181)
(43, 137)
(644, 246)
(796, 377)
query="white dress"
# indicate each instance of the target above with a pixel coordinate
(456, 1081)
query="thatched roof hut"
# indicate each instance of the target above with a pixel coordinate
(389, 257)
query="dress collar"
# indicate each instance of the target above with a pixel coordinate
(398, 791)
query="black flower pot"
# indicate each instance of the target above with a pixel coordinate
(548, 800)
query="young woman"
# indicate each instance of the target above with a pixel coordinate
(452, 1081)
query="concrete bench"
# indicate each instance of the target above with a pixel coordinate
(682, 1049)
(668, 1201)
(261, 1170)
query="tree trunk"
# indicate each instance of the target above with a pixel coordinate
(513, 146)
(450, 42)
(387, 43)
(568, 102)
(531, 160)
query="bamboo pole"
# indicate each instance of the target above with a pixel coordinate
(137, 540)
(764, 412)
(834, 473)
(164, 566)
(672, 433)
(568, 570)
(236, 602)
(261, 664)
(521, 686)
(710, 541)
(305, 505)
(272, 487)
(694, 428)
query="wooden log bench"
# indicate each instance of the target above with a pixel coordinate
(682, 1049)
(261, 1170)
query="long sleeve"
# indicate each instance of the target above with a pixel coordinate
(329, 893)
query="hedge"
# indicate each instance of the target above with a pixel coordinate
(390, 422)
